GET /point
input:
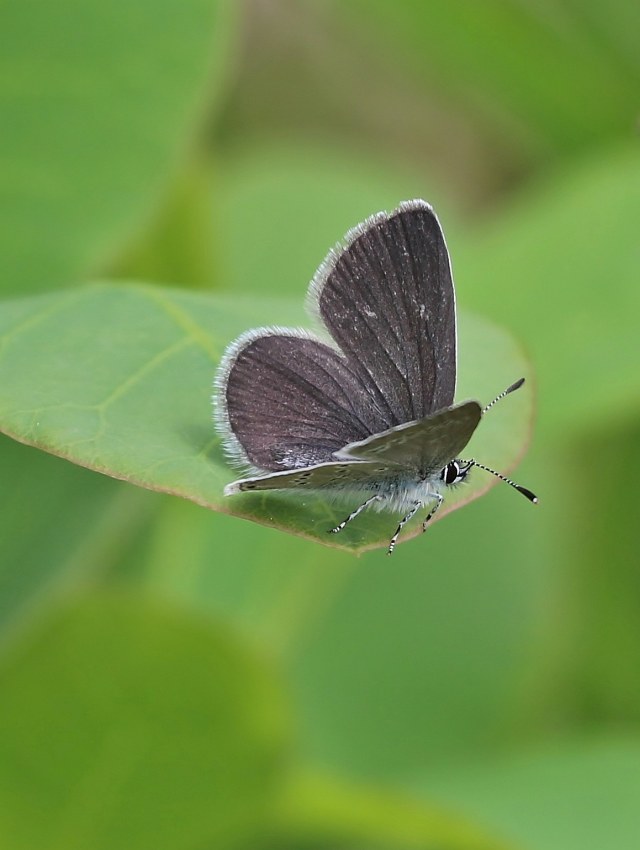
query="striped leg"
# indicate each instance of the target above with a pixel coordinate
(414, 510)
(433, 510)
(355, 513)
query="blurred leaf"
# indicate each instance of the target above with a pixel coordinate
(95, 104)
(272, 586)
(119, 379)
(323, 814)
(286, 205)
(504, 60)
(425, 659)
(393, 663)
(594, 650)
(561, 267)
(613, 28)
(321, 74)
(178, 246)
(563, 796)
(126, 725)
(60, 527)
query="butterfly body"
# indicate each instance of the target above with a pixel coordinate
(399, 488)
(370, 410)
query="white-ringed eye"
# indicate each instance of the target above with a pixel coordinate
(451, 473)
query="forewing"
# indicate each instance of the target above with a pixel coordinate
(286, 400)
(335, 476)
(387, 299)
(426, 446)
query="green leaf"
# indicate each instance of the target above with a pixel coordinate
(119, 379)
(95, 104)
(567, 283)
(568, 795)
(322, 813)
(482, 55)
(594, 649)
(125, 724)
(313, 196)
(60, 526)
(178, 246)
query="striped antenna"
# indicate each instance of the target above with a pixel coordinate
(531, 496)
(512, 388)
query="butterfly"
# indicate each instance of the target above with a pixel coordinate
(370, 409)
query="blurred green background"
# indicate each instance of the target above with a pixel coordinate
(175, 678)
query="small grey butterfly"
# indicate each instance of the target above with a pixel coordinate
(372, 412)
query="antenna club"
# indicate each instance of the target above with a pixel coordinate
(525, 492)
(515, 386)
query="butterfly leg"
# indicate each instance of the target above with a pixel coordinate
(433, 510)
(405, 519)
(355, 513)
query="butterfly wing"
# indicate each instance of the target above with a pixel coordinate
(286, 400)
(426, 446)
(388, 301)
(337, 476)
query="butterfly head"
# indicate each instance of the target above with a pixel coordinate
(455, 471)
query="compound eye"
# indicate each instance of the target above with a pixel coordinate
(451, 472)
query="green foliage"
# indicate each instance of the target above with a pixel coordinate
(91, 753)
(528, 70)
(587, 789)
(96, 101)
(568, 261)
(174, 677)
